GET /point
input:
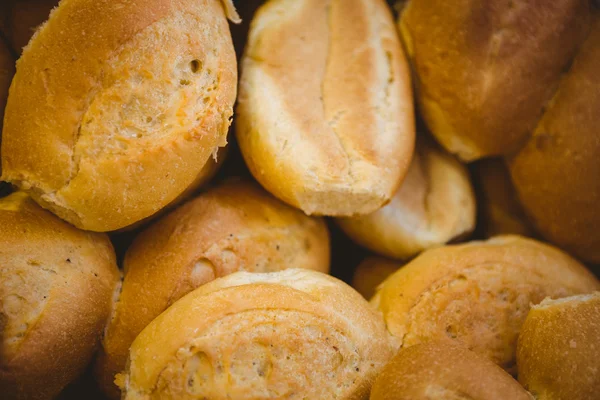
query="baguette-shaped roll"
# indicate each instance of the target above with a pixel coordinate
(484, 69)
(7, 70)
(434, 205)
(57, 285)
(370, 273)
(557, 174)
(117, 105)
(500, 210)
(234, 227)
(293, 334)
(558, 355)
(24, 18)
(442, 370)
(325, 114)
(478, 293)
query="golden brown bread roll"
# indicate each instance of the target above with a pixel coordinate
(442, 370)
(434, 205)
(293, 334)
(24, 18)
(557, 174)
(325, 114)
(370, 273)
(500, 210)
(558, 355)
(234, 227)
(131, 99)
(56, 289)
(478, 293)
(484, 70)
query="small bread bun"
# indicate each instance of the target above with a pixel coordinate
(444, 370)
(56, 289)
(434, 205)
(132, 99)
(7, 70)
(500, 210)
(325, 114)
(486, 69)
(234, 227)
(478, 293)
(557, 174)
(296, 334)
(371, 273)
(24, 19)
(558, 355)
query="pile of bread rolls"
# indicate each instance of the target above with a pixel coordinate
(299, 199)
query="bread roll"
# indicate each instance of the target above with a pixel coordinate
(443, 370)
(325, 114)
(234, 227)
(25, 17)
(478, 293)
(484, 70)
(56, 289)
(370, 273)
(557, 173)
(500, 210)
(559, 349)
(294, 334)
(131, 98)
(434, 205)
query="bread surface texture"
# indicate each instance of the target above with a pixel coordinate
(296, 334)
(478, 293)
(117, 105)
(325, 113)
(559, 349)
(56, 290)
(236, 226)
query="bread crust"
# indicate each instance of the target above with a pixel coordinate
(236, 226)
(104, 130)
(56, 289)
(311, 132)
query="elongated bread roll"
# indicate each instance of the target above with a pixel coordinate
(117, 105)
(234, 227)
(325, 113)
(294, 334)
(371, 273)
(559, 349)
(434, 205)
(557, 174)
(56, 289)
(478, 293)
(442, 370)
(484, 69)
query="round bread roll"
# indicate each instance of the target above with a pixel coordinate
(557, 173)
(294, 334)
(370, 273)
(131, 100)
(478, 293)
(24, 18)
(325, 113)
(501, 212)
(434, 205)
(485, 69)
(443, 370)
(559, 349)
(57, 285)
(234, 227)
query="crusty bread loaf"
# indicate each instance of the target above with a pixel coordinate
(442, 370)
(557, 174)
(24, 18)
(484, 70)
(325, 113)
(370, 273)
(294, 334)
(117, 105)
(558, 355)
(234, 227)
(56, 289)
(434, 205)
(478, 293)
(7, 70)
(500, 210)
